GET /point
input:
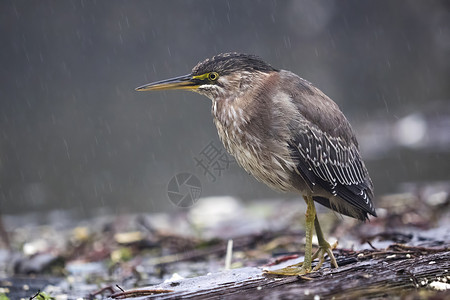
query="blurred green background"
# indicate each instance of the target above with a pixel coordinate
(75, 134)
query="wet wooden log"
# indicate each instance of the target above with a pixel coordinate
(363, 274)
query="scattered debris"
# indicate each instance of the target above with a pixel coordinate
(397, 252)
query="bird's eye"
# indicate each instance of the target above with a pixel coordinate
(213, 76)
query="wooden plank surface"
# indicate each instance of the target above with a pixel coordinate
(367, 274)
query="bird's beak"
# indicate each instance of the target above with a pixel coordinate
(186, 82)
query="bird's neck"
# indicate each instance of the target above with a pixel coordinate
(228, 113)
(238, 108)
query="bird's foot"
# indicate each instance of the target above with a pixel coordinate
(294, 270)
(325, 248)
(300, 269)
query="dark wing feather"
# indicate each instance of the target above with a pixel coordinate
(326, 162)
(327, 153)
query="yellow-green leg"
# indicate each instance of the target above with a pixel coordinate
(324, 247)
(305, 266)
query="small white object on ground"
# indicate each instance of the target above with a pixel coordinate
(440, 286)
(229, 254)
(175, 277)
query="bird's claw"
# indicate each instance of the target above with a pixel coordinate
(299, 269)
(294, 270)
(325, 248)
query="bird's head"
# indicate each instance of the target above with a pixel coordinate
(222, 76)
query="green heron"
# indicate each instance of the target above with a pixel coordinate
(286, 133)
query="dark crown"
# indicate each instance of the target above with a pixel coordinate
(227, 63)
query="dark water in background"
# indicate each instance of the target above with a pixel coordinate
(75, 135)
